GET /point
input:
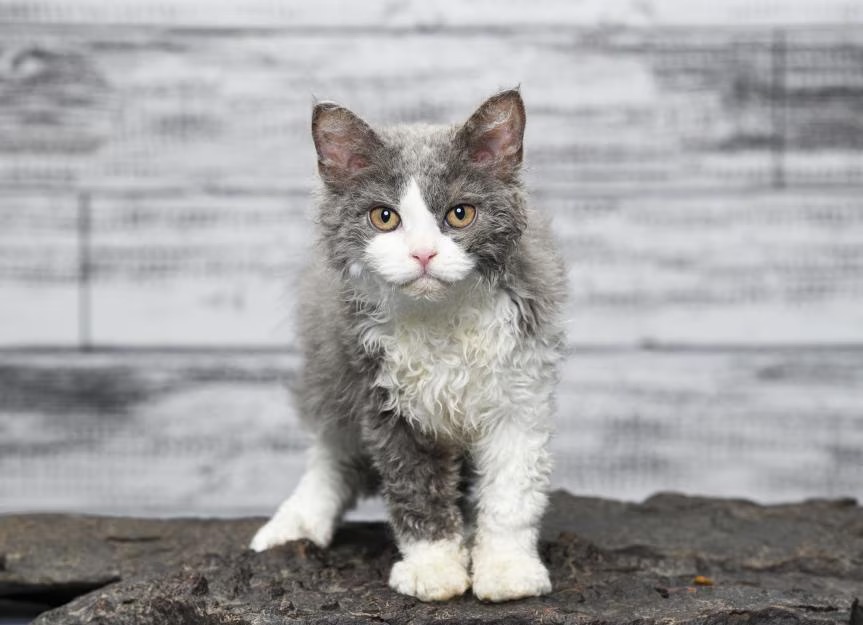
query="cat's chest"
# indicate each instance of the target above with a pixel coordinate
(450, 374)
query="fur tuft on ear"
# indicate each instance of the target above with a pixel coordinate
(493, 136)
(344, 142)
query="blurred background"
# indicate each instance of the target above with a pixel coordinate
(702, 161)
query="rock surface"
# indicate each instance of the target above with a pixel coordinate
(671, 559)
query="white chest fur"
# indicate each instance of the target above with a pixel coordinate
(454, 372)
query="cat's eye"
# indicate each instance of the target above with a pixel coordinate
(384, 219)
(461, 216)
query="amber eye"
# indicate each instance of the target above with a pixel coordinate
(384, 219)
(461, 216)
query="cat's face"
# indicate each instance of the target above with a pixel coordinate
(419, 209)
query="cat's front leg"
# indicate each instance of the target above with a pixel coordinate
(513, 467)
(420, 482)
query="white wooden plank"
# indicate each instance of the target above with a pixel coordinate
(171, 433)
(199, 269)
(823, 96)
(381, 14)
(38, 263)
(196, 108)
(149, 107)
(766, 268)
(651, 151)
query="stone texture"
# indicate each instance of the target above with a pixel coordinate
(671, 559)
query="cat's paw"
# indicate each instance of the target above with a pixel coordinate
(505, 575)
(432, 571)
(290, 523)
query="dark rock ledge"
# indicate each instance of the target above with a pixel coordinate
(611, 563)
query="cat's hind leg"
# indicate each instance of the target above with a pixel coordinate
(336, 472)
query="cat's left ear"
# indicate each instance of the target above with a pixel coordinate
(493, 136)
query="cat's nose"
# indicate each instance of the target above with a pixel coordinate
(424, 256)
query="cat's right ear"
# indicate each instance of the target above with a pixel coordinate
(344, 142)
(494, 134)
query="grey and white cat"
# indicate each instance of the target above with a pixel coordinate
(431, 334)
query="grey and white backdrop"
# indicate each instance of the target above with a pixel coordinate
(702, 162)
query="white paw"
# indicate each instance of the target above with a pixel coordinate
(432, 571)
(290, 523)
(504, 576)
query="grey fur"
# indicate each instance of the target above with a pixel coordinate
(420, 478)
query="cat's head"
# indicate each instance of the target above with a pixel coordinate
(419, 209)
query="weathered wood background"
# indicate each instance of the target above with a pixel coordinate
(703, 163)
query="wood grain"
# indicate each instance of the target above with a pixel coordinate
(770, 266)
(194, 108)
(704, 181)
(450, 14)
(702, 161)
(113, 432)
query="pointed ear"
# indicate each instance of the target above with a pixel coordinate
(344, 142)
(494, 134)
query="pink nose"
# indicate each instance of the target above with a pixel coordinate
(424, 256)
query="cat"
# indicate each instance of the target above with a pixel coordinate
(431, 332)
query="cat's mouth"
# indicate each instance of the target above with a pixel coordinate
(426, 287)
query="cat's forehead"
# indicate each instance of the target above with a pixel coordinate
(417, 136)
(419, 149)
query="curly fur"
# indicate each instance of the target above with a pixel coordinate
(417, 375)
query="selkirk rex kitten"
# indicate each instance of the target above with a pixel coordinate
(431, 335)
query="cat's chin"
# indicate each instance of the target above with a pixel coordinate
(425, 287)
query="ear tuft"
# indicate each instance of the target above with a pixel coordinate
(493, 136)
(344, 142)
